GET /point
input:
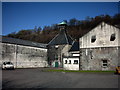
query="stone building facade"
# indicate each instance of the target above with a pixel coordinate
(59, 46)
(99, 48)
(22, 53)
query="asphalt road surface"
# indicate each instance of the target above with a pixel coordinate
(36, 78)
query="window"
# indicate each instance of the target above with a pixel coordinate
(105, 63)
(91, 54)
(112, 38)
(75, 61)
(65, 61)
(56, 46)
(93, 39)
(69, 61)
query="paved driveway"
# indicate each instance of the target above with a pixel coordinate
(36, 78)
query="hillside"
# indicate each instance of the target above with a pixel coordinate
(76, 28)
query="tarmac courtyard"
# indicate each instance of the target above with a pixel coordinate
(37, 78)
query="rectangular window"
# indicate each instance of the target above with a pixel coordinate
(75, 61)
(104, 63)
(93, 39)
(65, 61)
(69, 61)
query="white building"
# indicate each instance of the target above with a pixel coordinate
(72, 62)
(100, 48)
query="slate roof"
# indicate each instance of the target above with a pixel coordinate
(21, 42)
(75, 46)
(61, 38)
(71, 56)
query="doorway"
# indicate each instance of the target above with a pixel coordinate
(56, 64)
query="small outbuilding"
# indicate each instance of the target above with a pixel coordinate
(72, 62)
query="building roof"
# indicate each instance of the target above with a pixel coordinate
(62, 23)
(61, 38)
(71, 56)
(75, 47)
(21, 42)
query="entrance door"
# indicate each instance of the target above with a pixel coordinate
(56, 64)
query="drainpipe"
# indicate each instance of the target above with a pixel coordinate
(16, 54)
(61, 58)
(79, 59)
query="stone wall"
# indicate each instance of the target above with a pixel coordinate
(118, 56)
(92, 58)
(100, 46)
(24, 56)
(102, 35)
(55, 53)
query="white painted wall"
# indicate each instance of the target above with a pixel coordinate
(71, 66)
(103, 35)
(76, 54)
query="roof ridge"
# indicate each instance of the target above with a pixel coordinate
(66, 37)
(22, 42)
(61, 38)
(53, 39)
(75, 46)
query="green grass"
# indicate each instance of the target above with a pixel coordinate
(51, 70)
